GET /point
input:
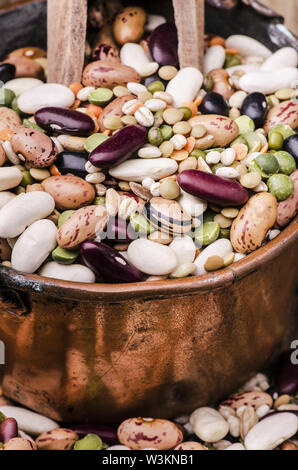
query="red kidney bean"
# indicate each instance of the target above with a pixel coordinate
(118, 230)
(163, 45)
(72, 162)
(7, 72)
(214, 103)
(8, 430)
(119, 147)
(212, 188)
(64, 121)
(108, 263)
(286, 374)
(106, 433)
(255, 106)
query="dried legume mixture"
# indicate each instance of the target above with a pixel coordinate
(144, 171)
(262, 415)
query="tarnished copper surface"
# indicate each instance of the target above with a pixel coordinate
(106, 352)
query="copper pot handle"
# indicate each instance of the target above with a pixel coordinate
(14, 302)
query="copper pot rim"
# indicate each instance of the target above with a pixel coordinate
(115, 292)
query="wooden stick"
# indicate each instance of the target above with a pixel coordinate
(190, 22)
(67, 28)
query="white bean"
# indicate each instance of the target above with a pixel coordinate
(72, 273)
(10, 177)
(28, 421)
(284, 57)
(192, 204)
(5, 197)
(138, 170)
(49, 94)
(269, 81)
(185, 86)
(34, 246)
(23, 211)
(20, 85)
(184, 248)
(153, 21)
(209, 425)
(214, 58)
(247, 46)
(152, 258)
(134, 56)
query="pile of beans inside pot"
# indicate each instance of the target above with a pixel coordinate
(261, 415)
(144, 171)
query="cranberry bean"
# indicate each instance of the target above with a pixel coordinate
(7, 72)
(8, 429)
(72, 162)
(118, 230)
(286, 374)
(108, 263)
(119, 147)
(65, 121)
(163, 45)
(212, 188)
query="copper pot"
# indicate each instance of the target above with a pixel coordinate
(103, 352)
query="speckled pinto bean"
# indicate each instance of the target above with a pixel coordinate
(37, 148)
(9, 119)
(69, 192)
(254, 220)
(212, 188)
(190, 445)
(103, 73)
(222, 128)
(83, 225)
(113, 109)
(254, 399)
(18, 443)
(64, 121)
(139, 433)
(283, 113)
(58, 439)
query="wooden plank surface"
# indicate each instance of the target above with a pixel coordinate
(190, 22)
(67, 25)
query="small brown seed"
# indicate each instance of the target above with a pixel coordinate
(229, 259)
(167, 72)
(214, 263)
(223, 221)
(160, 237)
(230, 212)
(182, 127)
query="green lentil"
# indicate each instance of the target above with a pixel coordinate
(62, 256)
(100, 201)
(276, 141)
(207, 233)
(6, 97)
(267, 163)
(225, 233)
(272, 101)
(33, 125)
(14, 106)
(239, 140)
(64, 216)
(197, 154)
(27, 179)
(89, 442)
(167, 132)
(155, 136)
(155, 86)
(208, 82)
(284, 129)
(281, 186)
(287, 163)
(140, 224)
(101, 96)
(167, 148)
(187, 113)
(94, 141)
(245, 124)
(253, 141)
(232, 60)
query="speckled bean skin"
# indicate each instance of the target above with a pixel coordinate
(222, 128)
(191, 446)
(254, 220)
(69, 192)
(82, 225)
(113, 109)
(9, 119)
(254, 399)
(103, 73)
(106, 52)
(36, 147)
(18, 443)
(58, 439)
(129, 25)
(283, 113)
(138, 434)
(287, 209)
